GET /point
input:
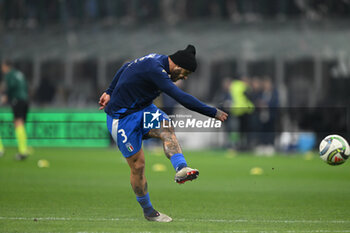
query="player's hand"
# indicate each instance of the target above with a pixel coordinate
(104, 99)
(221, 115)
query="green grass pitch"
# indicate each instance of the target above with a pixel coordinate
(88, 190)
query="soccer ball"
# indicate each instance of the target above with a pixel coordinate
(334, 150)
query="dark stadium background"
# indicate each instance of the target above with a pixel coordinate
(70, 50)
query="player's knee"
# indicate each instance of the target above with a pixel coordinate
(138, 168)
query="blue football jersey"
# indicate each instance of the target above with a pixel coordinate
(138, 83)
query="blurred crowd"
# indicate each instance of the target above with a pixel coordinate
(253, 106)
(40, 13)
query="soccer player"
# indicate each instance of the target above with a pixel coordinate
(16, 94)
(129, 97)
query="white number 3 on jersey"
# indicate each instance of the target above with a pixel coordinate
(123, 135)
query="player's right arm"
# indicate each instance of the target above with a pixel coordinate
(106, 96)
(115, 79)
(104, 100)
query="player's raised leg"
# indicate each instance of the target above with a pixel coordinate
(139, 185)
(173, 151)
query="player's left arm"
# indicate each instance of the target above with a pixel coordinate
(194, 104)
(164, 83)
(221, 115)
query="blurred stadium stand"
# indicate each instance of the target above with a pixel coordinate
(70, 50)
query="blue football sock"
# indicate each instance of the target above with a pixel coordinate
(145, 203)
(178, 161)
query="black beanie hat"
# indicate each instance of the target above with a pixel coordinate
(185, 58)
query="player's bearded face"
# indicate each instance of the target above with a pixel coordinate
(179, 73)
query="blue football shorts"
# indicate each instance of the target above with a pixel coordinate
(128, 131)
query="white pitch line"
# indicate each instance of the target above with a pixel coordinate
(180, 220)
(266, 221)
(65, 219)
